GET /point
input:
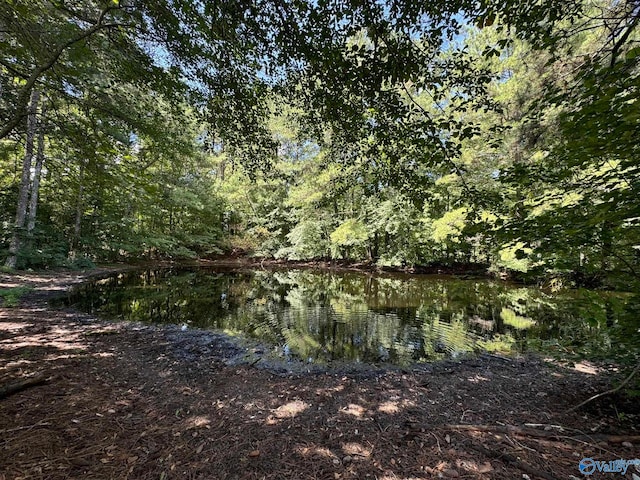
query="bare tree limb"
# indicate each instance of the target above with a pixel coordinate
(16, 387)
(508, 458)
(558, 434)
(608, 392)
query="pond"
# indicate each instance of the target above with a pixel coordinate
(323, 317)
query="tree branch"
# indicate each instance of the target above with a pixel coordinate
(608, 392)
(25, 92)
(447, 157)
(12, 69)
(16, 387)
(623, 38)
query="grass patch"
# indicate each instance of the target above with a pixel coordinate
(10, 297)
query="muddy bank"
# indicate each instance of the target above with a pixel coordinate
(134, 401)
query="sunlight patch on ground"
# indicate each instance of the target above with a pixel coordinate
(253, 406)
(17, 363)
(443, 466)
(395, 477)
(446, 470)
(57, 338)
(103, 355)
(288, 410)
(52, 288)
(583, 366)
(13, 326)
(353, 409)
(198, 422)
(64, 333)
(473, 466)
(586, 367)
(477, 379)
(315, 451)
(51, 358)
(389, 407)
(291, 409)
(356, 449)
(395, 404)
(329, 391)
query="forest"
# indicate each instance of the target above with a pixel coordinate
(396, 133)
(214, 216)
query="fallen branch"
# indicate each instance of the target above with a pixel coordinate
(27, 427)
(16, 387)
(506, 429)
(533, 432)
(525, 467)
(608, 392)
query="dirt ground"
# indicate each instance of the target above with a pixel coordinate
(127, 401)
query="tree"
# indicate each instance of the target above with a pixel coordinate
(399, 110)
(581, 172)
(25, 183)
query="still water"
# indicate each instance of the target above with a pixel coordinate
(322, 317)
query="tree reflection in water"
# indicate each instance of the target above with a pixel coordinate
(327, 316)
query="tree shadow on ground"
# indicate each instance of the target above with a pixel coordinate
(127, 401)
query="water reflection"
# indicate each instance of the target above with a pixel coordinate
(323, 317)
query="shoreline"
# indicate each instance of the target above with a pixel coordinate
(122, 400)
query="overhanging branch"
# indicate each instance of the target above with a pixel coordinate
(25, 92)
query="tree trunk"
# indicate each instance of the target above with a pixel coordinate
(35, 183)
(23, 196)
(223, 165)
(376, 246)
(79, 208)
